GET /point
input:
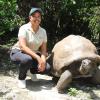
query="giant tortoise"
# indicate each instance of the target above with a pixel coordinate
(74, 56)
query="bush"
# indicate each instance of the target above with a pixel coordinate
(8, 16)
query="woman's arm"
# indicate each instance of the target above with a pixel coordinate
(43, 49)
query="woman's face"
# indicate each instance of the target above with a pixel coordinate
(35, 18)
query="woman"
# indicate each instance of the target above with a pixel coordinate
(30, 50)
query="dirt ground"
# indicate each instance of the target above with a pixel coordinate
(37, 90)
(42, 89)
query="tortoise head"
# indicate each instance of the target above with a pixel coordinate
(87, 66)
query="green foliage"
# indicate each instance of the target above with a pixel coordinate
(65, 17)
(8, 17)
(94, 24)
(61, 17)
(72, 91)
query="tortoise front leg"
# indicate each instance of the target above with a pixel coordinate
(64, 80)
(96, 76)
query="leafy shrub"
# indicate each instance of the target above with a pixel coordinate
(8, 16)
(72, 91)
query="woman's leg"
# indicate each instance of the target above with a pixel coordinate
(24, 60)
(34, 68)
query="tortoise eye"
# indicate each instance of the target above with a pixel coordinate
(84, 63)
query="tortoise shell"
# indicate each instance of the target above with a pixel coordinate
(71, 49)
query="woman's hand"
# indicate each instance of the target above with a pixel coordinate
(41, 64)
(43, 50)
(41, 67)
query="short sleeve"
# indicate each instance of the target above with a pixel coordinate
(45, 36)
(22, 32)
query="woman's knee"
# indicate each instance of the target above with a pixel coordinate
(26, 59)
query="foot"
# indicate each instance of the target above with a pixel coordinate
(54, 89)
(33, 77)
(22, 84)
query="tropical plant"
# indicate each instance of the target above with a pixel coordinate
(8, 16)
